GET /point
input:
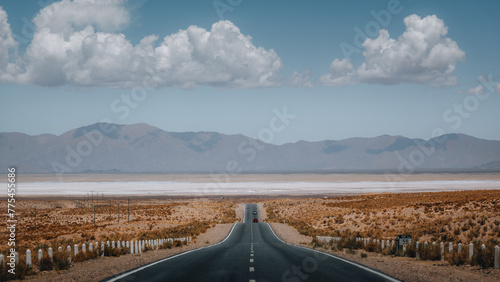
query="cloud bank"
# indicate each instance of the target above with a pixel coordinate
(77, 43)
(421, 55)
(74, 44)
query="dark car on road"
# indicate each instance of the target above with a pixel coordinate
(255, 220)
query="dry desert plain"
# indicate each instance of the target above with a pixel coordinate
(461, 216)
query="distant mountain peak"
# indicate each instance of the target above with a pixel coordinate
(144, 148)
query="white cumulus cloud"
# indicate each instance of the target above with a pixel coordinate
(422, 55)
(75, 43)
(8, 50)
(67, 15)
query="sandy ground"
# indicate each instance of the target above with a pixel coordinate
(240, 212)
(109, 266)
(262, 212)
(406, 269)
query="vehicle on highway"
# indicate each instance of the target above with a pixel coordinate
(254, 212)
(255, 220)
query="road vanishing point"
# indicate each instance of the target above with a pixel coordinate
(252, 252)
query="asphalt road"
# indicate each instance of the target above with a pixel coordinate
(252, 252)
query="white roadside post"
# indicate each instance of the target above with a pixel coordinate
(450, 247)
(40, 255)
(112, 244)
(51, 255)
(459, 248)
(471, 251)
(76, 250)
(84, 248)
(68, 248)
(28, 258)
(497, 255)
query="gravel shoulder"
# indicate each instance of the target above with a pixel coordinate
(403, 268)
(101, 268)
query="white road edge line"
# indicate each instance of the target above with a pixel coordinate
(165, 259)
(339, 258)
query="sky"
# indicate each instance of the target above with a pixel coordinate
(280, 71)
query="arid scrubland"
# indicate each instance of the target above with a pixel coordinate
(68, 221)
(446, 216)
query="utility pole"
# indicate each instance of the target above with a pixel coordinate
(128, 210)
(94, 216)
(118, 213)
(92, 197)
(35, 217)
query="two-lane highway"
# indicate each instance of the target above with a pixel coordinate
(252, 252)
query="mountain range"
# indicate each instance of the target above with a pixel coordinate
(104, 147)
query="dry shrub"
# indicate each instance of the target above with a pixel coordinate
(431, 252)
(456, 258)
(61, 261)
(45, 264)
(484, 258)
(371, 247)
(79, 257)
(166, 245)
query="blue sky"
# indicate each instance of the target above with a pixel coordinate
(433, 67)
